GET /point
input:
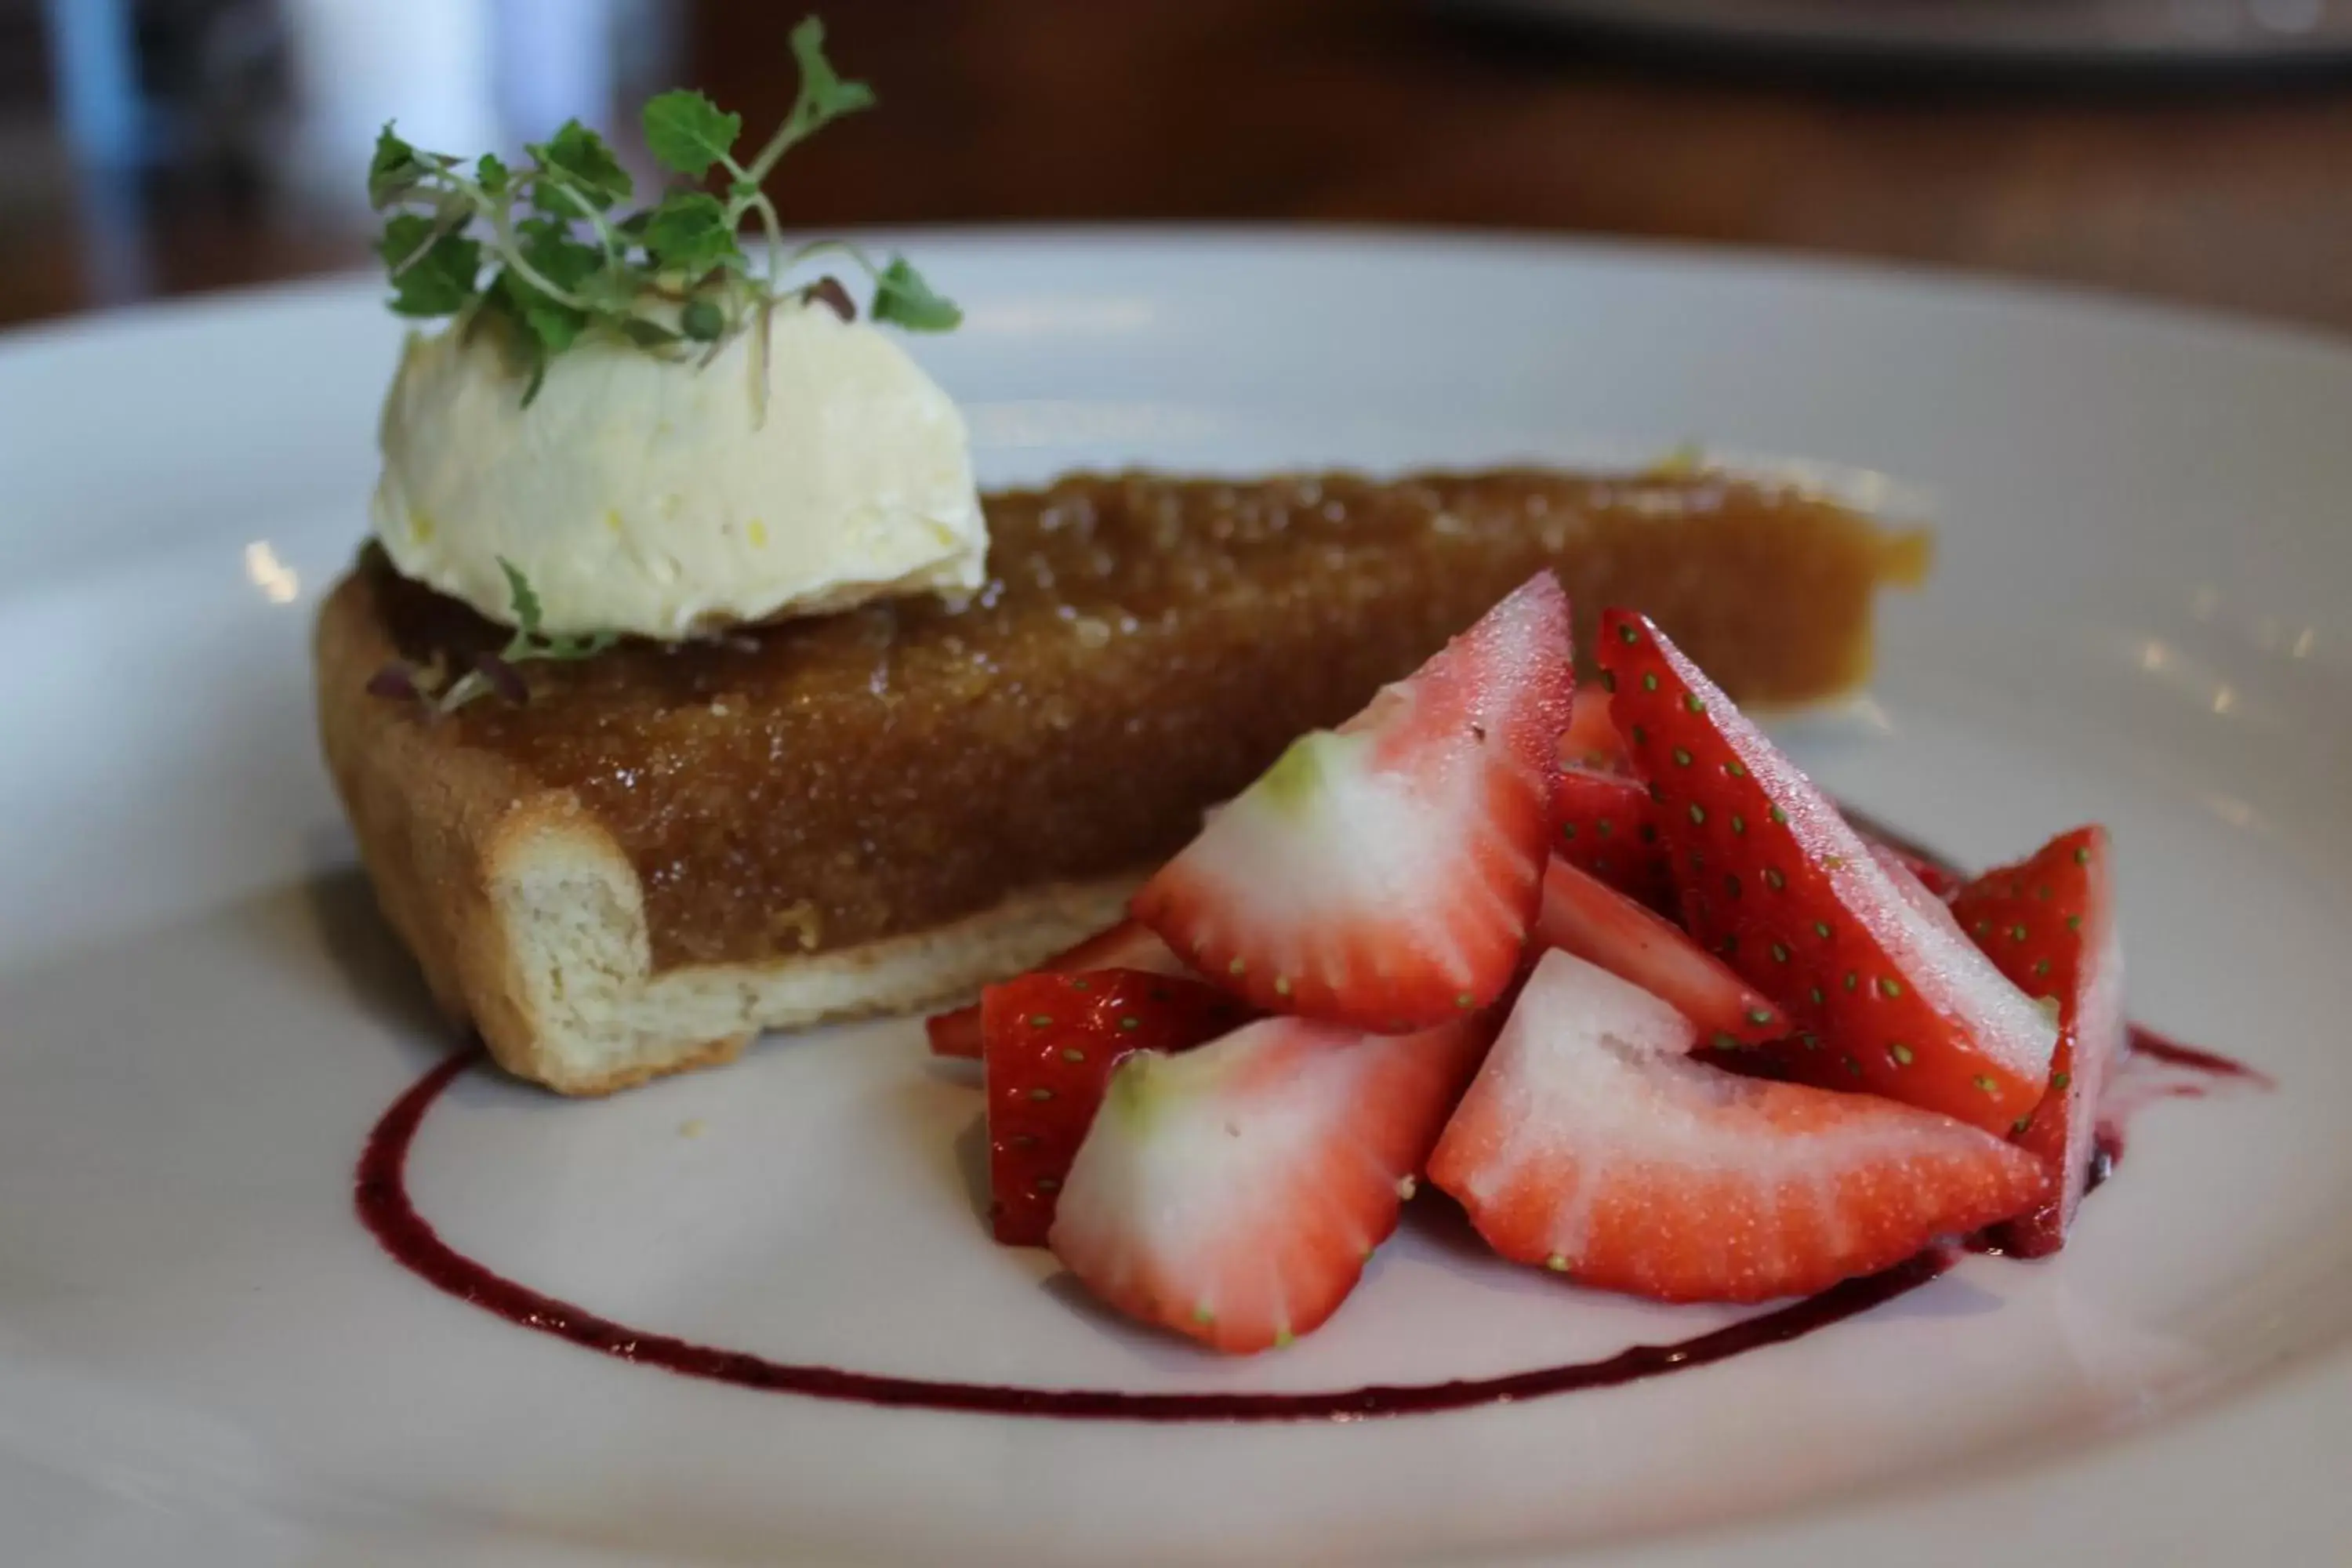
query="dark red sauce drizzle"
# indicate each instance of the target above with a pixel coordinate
(2146, 1042)
(387, 1209)
(2146, 1047)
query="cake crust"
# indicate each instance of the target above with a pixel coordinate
(529, 921)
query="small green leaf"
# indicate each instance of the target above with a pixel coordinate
(526, 643)
(611, 291)
(405, 234)
(556, 254)
(688, 133)
(491, 174)
(824, 96)
(433, 265)
(550, 325)
(580, 156)
(901, 296)
(524, 603)
(556, 326)
(689, 232)
(395, 171)
(536, 358)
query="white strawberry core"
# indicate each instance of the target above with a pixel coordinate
(1185, 1172)
(1302, 859)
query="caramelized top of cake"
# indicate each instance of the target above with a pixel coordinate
(1142, 648)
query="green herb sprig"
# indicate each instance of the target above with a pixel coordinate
(542, 245)
(488, 674)
(495, 672)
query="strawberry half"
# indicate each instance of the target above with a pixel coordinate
(1051, 1041)
(1887, 991)
(2049, 923)
(1127, 945)
(1585, 916)
(1593, 1145)
(1384, 875)
(1234, 1193)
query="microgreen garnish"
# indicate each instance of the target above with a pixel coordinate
(669, 277)
(493, 674)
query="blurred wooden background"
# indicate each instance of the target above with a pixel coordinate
(2237, 195)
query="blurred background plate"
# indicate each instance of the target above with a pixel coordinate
(2174, 33)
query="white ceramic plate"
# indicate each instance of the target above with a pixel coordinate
(2140, 617)
(2168, 34)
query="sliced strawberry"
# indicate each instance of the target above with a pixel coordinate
(1592, 1143)
(1603, 824)
(1592, 740)
(1384, 875)
(1127, 945)
(1233, 1193)
(1886, 992)
(2049, 923)
(1937, 874)
(1051, 1043)
(1585, 916)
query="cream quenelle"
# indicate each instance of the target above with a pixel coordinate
(663, 496)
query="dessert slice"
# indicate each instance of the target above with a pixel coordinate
(669, 847)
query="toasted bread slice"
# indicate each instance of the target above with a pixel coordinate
(668, 849)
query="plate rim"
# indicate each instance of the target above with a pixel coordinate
(1896, 277)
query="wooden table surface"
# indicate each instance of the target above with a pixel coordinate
(1394, 112)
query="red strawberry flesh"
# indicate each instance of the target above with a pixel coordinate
(1592, 740)
(1593, 1145)
(1603, 824)
(1234, 1193)
(1584, 916)
(2049, 923)
(1127, 945)
(1384, 875)
(1051, 1043)
(1885, 991)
